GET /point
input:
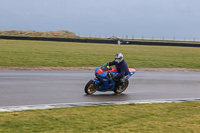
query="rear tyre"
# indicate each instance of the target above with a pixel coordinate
(119, 90)
(91, 87)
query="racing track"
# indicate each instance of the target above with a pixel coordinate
(52, 87)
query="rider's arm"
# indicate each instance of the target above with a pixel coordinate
(111, 63)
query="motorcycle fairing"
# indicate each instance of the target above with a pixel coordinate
(106, 84)
(103, 69)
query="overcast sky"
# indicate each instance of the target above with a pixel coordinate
(158, 18)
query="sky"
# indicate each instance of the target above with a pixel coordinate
(104, 18)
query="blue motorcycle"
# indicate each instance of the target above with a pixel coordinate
(104, 81)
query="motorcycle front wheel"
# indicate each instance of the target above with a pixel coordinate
(123, 87)
(91, 87)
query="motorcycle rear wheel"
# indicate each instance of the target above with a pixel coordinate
(124, 86)
(91, 87)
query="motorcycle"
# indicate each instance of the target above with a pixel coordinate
(104, 81)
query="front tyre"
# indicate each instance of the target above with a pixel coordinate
(119, 90)
(91, 87)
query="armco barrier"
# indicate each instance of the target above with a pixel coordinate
(156, 43)
(123, 42)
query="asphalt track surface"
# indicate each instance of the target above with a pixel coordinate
(52, 87)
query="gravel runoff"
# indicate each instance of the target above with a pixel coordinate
(93, 68)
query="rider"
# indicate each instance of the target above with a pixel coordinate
(121, 66)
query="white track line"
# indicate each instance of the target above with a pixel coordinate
(61, 105)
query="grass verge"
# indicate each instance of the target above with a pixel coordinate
(44, 53)
(154, 118)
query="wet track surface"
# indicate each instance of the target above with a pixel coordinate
(51, 87)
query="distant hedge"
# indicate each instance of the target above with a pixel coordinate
(108, 41)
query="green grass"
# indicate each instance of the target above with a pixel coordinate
(143, 118)
(44, 53)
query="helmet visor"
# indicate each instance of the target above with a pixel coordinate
(117, 59)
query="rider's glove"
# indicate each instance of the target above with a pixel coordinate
(107, 64)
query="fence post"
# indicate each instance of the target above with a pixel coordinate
(142, 37)
(174, 38)
(118, 42)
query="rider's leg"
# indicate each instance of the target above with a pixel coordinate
(121, 80)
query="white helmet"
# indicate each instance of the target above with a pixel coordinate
(119, 57)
